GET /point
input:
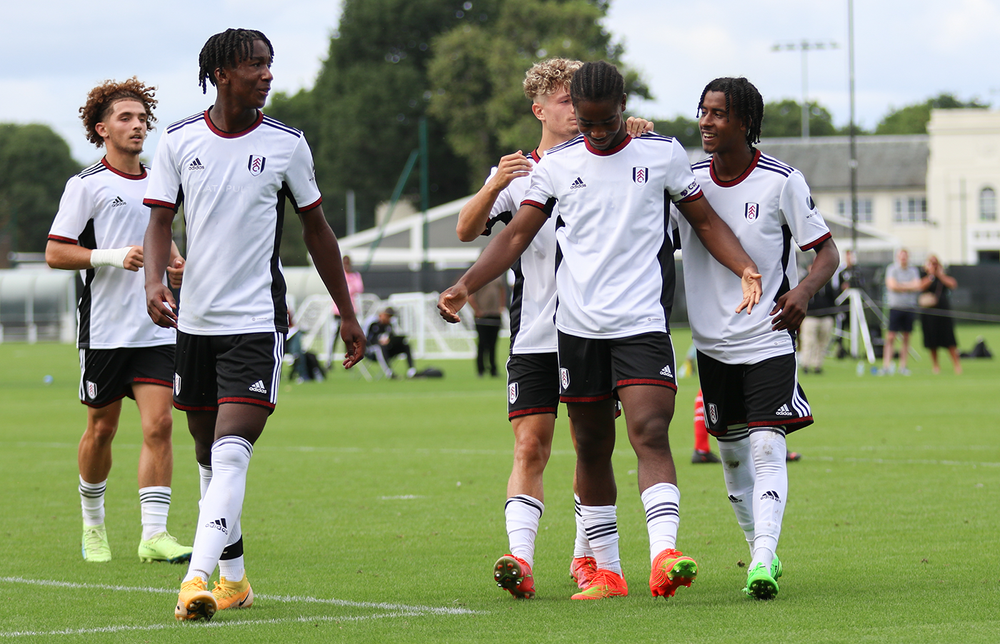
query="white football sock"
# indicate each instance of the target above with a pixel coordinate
(204, 478)
(223, 504)
(770, 492)
(662, 504)
(581, 547)
(523, 513)
(739, 473)
(601, 524)
(92, 502)
(154, 506)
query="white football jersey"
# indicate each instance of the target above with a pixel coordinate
(102, 208)
(533, 303)
(768, 207)
(233, 187)
(614, 251)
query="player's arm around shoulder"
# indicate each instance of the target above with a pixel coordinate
(475, 213)
(325, 251)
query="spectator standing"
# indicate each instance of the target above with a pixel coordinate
(935, 318)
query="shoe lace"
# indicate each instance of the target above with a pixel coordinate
(94, 539)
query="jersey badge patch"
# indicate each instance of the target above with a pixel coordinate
(256, 164)
(512, 393)
(713, 413)
(177, 384)
(640, 175)
(564, 378)
(751, 211)
(577, 184)
(91, 390)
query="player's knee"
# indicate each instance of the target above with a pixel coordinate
(102, 430)
(532, 452)
(158, 430)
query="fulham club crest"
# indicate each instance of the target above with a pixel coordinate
(713, 413)
(640, 175)
(91, 389)
(512, 393)
(256, 164)
(564, 378)
(751, 211)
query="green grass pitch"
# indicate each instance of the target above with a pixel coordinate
(374, 513)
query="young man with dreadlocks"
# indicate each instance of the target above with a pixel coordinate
(615, 284)
(533, 366)
(233, 167)
(747, 362)
(98, 231)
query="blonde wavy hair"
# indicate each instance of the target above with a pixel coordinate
(547, 77)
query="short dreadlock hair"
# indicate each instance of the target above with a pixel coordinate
(227, 49)
(547, 77)
(743, 99)
(102, 98)
(597, 82)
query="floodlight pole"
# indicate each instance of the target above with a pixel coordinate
(853, 162)
(805, 46)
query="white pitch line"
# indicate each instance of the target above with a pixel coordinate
(290, 599)
(249, 622)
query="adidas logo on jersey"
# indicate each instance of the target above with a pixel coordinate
(258, 387)
(218, 524)
(772, 495)
(196, 165)
(577, 184)
(117, 202)
(666, 372)
(783, 411)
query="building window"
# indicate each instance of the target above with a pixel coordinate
(864, 210)
(909, 210)
(988, 205)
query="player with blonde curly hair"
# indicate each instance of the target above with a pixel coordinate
(533, 367)
(98, 231)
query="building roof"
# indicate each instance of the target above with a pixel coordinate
(884, 162)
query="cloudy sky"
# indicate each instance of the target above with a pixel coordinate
(904, 52)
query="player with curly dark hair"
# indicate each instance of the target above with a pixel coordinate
(747, 363)
(233, 168)
(98, 231)
(102, 99)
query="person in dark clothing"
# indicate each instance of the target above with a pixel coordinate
(384, 344)
(935, 318)
(487, 305)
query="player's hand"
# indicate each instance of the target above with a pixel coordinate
(354, 340)
(510, 167)
(752, 290)
(636, 127)
(451, 302)
(789, 310)
(175, 272)
(161, 306)
(133, 261)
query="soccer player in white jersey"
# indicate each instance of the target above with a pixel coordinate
(98, 231)
(533, 366)
(614, 280)
(747, 362)
(233, 167)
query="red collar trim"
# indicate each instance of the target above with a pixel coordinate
(233, 135)
(124, 175)
(535, 156)
(737, 180)
(604, 153)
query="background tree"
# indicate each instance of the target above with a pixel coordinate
(784, 119)
(681, 128)
(913, 119)
(478, 69)
(35, 164)
(361, 118)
